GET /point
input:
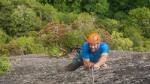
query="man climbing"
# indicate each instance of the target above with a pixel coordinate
(93, 54)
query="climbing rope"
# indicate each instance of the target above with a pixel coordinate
(92, 75)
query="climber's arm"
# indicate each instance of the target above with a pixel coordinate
(102, 60)
(87, 63)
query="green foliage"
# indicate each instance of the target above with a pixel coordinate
(64, 5)
(119, 42)
(55, 51)
(3, 37)
(51, 43)
(116, 5)
(66, 18)
(143, 48)
(3, 50)
(72, 39)
(109, 24)
(126, 5)
(139, 49)
(96, 6)
(4, 64)
(134, 34)
(147, 45)
(24, 20)
(27, 45)
(84, 21)
(120, 16)
(6, 9)
(43, 1)
(140, 17)
(46, 12)
(48, 39)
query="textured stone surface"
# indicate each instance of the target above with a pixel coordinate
(123, 68)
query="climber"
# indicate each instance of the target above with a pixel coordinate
(93, 54)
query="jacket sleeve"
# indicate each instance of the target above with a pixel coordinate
(105, 49)
(85, 51)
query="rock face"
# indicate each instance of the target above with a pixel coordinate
(123, 68)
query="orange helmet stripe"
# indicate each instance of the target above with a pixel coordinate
(94, 38)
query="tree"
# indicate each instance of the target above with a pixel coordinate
(134, 34)
(126, 5)
(6, 9)
(3, 37)
(23, 20)
(119, 42)
(96, 6)
(64, 5)
(140, 17)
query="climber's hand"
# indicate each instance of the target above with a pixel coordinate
(96, 66)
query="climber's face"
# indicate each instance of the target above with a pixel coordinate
(94, 47)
